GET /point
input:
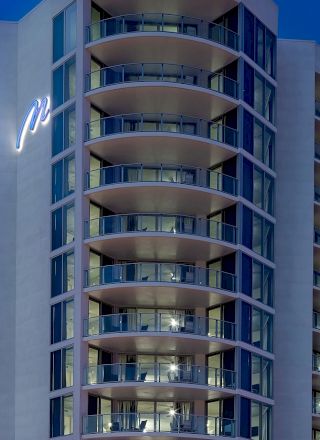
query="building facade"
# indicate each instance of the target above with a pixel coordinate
(142, 265)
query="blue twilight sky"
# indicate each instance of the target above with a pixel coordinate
(295, 21)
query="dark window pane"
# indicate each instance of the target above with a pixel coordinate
(56, 382)
(248, 132)
(246, 323)
(56, 276)
(58, 37)
(247, 228)
(57, 88)
(248, 34)
(56, 323)
(248, 92)
(245, 370)
(245, 417)
(57, 134)
(247, 180)
(55, 417)
(57, 181)
(246, 275)
(270, 53)
(56, 228)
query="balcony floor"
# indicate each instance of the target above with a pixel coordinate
(161, 148)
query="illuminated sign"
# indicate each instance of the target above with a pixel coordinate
(39, 111)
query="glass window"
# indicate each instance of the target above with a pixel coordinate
(258, 93)
(61, 416)
(258, 140)
(259, 43)
(64, 130)
(64, 83)
(257, 233)
(256, 374)
(257, 280)
(248, 33)
(63, 178)
(64, 32)
(248, 92)
(62, 226)
(62, 273)
(61, 368)
(61, 321)
(258, 187)
(71, 28)
(57, 87)
(256, 327)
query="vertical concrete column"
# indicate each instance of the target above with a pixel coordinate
(294, 240)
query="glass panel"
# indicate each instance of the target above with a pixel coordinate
(255, 421)
(70, 79)
(68, 272)
(70, 28)
(69, 127)
(258, 94)
(68, 224)
(260, 44)
(68, 367)
(258, 140)
(257, 234)
(58, 37)
(257, 281)
(57, 87)
(55, 417)
(70, 175)
(57, 134)
(256, 328)
(68, 317)
(67, 415)
(258, 188)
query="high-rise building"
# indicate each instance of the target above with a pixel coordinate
(159, 279)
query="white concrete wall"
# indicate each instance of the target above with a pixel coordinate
(8, 93)
(294, 240)
(32, 367)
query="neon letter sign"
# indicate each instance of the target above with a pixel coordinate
(39, 111)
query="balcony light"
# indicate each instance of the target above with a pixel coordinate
(173, 367)
(172, 412)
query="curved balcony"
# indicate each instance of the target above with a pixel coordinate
(160, 285)
(172, 37)
(159, 381)
(130, 332)
(161, 188)
(160, 237)
(199, 8)
(161, 424)
(160, 137)
(155, 87)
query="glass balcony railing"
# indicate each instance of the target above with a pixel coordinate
(161, 123)
(317, 194)
(316, 405)
(316, 319)
(316, 362)
(160, 72)
(160, 273)
(171, 423)
(160, 323)
(317, 236)
(173, 24)
(317, 151)
(170, 224)
(160, 373)
(175, 174)
(317, 108)
(316, 279)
